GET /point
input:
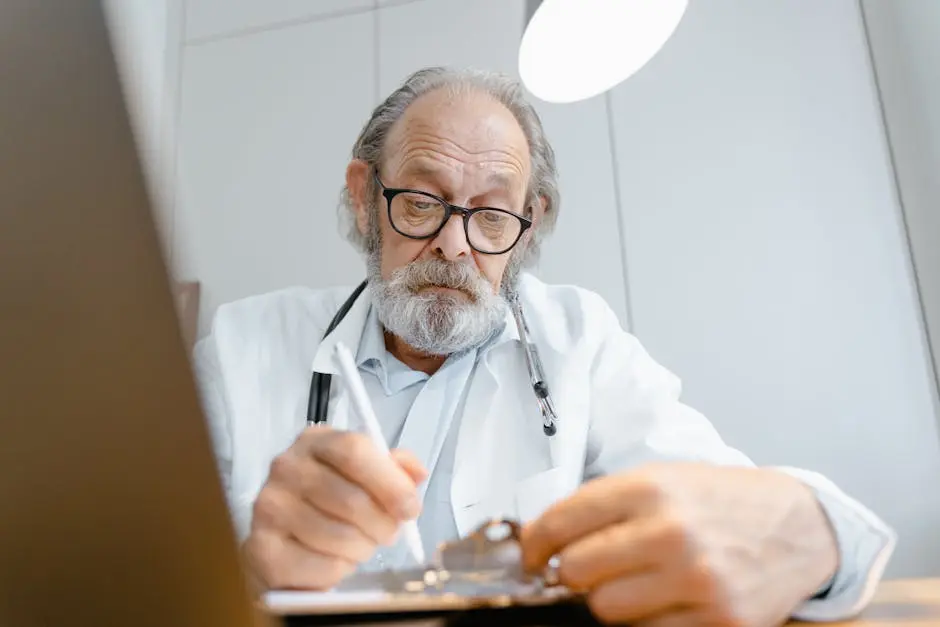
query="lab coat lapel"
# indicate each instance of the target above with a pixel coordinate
(477, 419)
(472, 475)
(500, 441)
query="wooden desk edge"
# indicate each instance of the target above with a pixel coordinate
(901, 603)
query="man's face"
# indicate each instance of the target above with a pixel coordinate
(470, 151)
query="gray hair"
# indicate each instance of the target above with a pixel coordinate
(509, 92)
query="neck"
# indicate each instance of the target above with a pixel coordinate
(414, 359)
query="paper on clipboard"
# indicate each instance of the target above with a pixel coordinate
(291, 602)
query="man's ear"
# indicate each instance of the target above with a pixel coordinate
(537, 215)
(357, 182)
(539, 211)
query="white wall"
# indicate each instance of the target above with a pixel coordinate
(269, 115)
(750, 209)
(767, 264)
(208, 20)
(267, 122)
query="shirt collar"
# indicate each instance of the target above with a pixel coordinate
(373, 357)
(372, 342)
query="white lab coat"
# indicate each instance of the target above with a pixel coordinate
(617, 408)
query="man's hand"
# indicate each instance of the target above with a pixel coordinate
(689, 544)
(329, 501)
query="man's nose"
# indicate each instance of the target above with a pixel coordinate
(451, 243)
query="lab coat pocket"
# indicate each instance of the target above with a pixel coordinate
(523, 500)
(535, 494)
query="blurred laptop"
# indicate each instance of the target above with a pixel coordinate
(112, 510)
(111, 507)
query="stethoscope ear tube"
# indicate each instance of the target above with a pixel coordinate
(536, 373)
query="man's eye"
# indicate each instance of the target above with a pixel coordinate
(420, 204)
(492, 219)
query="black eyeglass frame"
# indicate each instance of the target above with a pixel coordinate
(449, 210)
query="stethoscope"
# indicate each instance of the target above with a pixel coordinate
(319, 399)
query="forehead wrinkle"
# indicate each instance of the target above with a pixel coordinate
(438, 143)
(444, 137)
(419, 157)
(467, 126)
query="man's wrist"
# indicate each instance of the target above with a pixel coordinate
(865, 544)
(831, 559)
(818, 541)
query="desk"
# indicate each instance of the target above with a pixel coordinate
(900, 603)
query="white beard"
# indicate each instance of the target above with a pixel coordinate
(436, 322)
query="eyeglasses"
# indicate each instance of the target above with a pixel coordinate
(420, 215)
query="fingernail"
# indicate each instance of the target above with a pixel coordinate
(410, 507)
(550, 573)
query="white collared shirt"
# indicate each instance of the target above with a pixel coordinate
(419, 413)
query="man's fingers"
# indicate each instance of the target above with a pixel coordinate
(282, 562)
(356, 458)
(621, 549)
(596, 505)
(334, 495)
(634, 598)
(329, 500)
(410, 464)
(315, 530)
(323, 534)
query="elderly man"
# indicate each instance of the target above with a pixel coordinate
(451, 187)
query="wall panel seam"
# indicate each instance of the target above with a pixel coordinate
(278, 25)
(173, 79)
(630, 322)
(930, 356)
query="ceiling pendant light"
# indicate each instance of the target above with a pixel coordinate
(575, 49)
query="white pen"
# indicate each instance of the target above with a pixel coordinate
(360, 401)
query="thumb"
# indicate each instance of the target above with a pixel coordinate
(410, 464)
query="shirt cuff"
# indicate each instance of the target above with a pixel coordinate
(865, 545)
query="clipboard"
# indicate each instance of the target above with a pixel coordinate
(478, 579)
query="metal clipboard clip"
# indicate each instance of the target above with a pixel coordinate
(485, 566)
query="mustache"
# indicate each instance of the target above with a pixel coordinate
(438, 273)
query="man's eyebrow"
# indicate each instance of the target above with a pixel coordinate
(438, 178)
(424, 171)
(501, 180)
